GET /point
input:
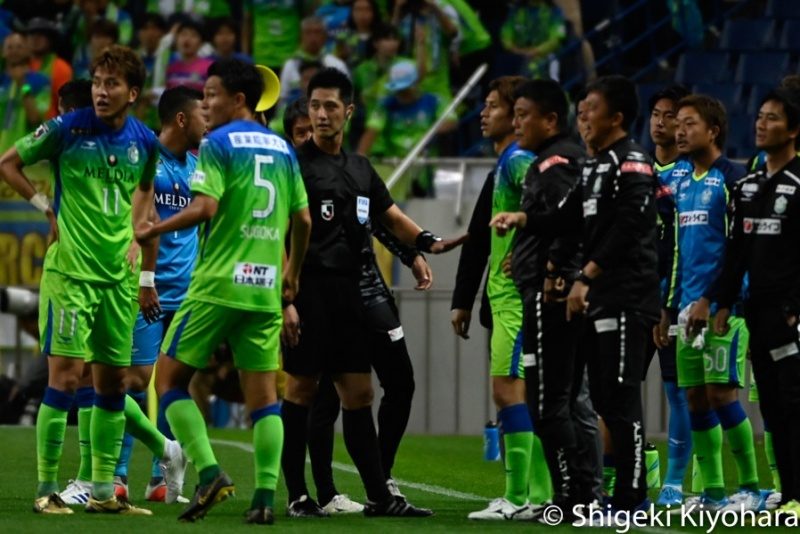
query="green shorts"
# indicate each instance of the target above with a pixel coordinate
(721, 361)
(199, 327)
(506, 344)
(88, 320)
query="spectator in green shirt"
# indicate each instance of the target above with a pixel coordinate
(352, 45)
(202, 8)
(428, 28)
(271, 31)
(534, 29)
(24, 94)
(401, 119)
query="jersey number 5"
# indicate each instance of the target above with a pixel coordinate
(261, 161)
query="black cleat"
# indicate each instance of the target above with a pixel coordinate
(305, 507)
(395, 507)
(259, 516)
(207, 496)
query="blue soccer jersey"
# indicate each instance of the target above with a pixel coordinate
(176, 250)
(701, 213)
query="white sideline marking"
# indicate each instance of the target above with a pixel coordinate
(347, 468)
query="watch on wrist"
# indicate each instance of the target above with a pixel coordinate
(583, 279)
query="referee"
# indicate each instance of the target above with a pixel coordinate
(325, 327)
(617, 288)
(763, 243)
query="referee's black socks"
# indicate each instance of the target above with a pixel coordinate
(361, 441)
(293, 460)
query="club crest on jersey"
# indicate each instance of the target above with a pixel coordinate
(362, 209)
(705, 198)
(133, 154)
(326, 210)
(41, 130)
(112, 160)
(780, 205)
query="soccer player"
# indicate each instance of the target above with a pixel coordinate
(711, 367)
(105, 163)
(346, 194)
(246, 187)
(544, 268)
(763, 244)
(74, 94)
(182, 127)
(527, 485)
(670, 167)
(618, 286)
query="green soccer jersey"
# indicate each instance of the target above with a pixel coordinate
(97, 170)
(509, 175)
(276, 30)
(255, 177)
(14, 121)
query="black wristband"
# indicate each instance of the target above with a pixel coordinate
(425, 240)
(583, 279)
(286, 303)
(551, 275)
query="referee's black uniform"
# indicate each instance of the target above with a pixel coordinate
(614, 204)
(552, 375)
(344, 194)
(392, 363)
(764, 242)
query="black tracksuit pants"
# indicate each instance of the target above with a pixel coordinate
(775, 354)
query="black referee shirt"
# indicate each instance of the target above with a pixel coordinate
(344, 195)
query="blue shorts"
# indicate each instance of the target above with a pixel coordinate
(147, 338)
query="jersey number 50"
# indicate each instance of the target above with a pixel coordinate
(261, 161)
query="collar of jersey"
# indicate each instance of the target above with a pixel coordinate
(698, 178)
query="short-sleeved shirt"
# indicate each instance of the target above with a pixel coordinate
(400, 125)
(509, 177)
(344, 195)
(97, 170)
(276, 29)
(13, 122)
(58, 71)
(701, 210)
(369, 81)
(192, 73)
(176, 250)
(254, 175)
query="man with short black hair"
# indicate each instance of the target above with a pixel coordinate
(346, 194)
(617, 288)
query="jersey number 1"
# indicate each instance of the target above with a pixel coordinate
(262, 160)
(107, 201)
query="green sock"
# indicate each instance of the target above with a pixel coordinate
(708, 448)
(773, 465)
(262, 498)
(140, 427)
(740, 438)
(697, 476)
(189, 428)
(85, 443)
(107, 429)
(519, 446)
(609, 480)
(540, 487)
(51, 424)
(268, 445)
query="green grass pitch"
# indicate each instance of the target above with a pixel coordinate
(445, 473)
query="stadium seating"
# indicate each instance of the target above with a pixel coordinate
(711, 67)
(745, 34)
(740, 135)
(762, 67)
(727, 93)
(757, 94)
(790, 35)
(783, 9)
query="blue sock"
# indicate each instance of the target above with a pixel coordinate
(163, 427)
(121, 470)
(679, 444)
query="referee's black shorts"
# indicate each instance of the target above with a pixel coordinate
(333, 333)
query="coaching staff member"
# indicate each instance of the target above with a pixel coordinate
(763, 242)
(618, 287)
